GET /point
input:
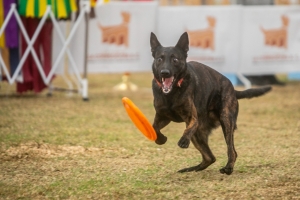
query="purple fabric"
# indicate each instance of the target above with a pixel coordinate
(11, 30)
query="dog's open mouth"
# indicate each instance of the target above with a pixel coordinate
(167, 84)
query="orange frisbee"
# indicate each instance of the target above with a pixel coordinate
(139, 119)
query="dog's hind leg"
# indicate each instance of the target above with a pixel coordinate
(200, 141)
(228, 119)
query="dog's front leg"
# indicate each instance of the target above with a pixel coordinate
(160, 123)
(189, 115)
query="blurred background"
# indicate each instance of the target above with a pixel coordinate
(252, 42)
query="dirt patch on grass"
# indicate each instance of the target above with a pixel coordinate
(34, 150)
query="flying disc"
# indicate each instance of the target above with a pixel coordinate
(139, 119)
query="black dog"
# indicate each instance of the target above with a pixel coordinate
(198, 95)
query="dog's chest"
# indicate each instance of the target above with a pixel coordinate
(169, 110)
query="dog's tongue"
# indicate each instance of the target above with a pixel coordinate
(167, 82)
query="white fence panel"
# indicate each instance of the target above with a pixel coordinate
(270, 40)
(119, 37)
(213, 33)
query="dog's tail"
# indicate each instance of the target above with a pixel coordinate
(253, 92)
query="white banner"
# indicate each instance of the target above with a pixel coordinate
(213, 33)
(119, 38)
(270, 40)
(231, 39)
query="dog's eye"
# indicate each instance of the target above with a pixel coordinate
(159, 60)
(175, 60)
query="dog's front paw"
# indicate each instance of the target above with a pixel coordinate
(184, 142)
(226, 170)
(161, 139)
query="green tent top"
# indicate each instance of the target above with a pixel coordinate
(37, 8)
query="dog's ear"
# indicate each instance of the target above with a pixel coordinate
(154, 43)
(183, 42)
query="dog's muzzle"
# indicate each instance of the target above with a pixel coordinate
(167, 84)
(167, 81)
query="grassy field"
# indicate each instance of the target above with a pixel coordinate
(61, 147)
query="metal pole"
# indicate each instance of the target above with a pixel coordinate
(86, 44)
(85, 82)
(86, 11)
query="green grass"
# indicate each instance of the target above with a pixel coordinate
(61, 147)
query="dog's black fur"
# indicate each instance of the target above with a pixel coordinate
(198, 95)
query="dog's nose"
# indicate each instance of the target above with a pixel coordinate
(165, 72)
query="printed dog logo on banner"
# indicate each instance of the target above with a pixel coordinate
(277, 37)
(117, 34)
(204, 38)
